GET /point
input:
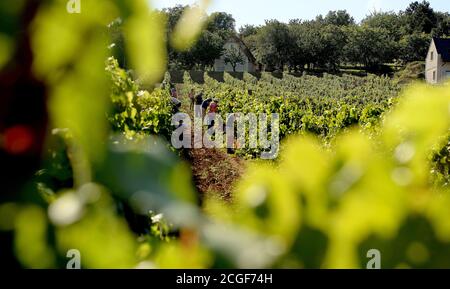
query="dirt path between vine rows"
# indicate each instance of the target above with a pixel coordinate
(214, 171)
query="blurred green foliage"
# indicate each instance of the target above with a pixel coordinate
(9, 28)
(137, 111)
(315, 208)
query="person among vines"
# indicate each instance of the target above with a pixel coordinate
(198, 104)
(191, 96)
(213, 109)
(205, 105)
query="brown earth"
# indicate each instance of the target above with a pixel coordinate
(214, 171)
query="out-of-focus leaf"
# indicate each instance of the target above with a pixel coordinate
(70, 51)
(242, 248)
(308, 167)
(189, 26)
(146, 41)
(178, 256)
(103, 238)
(147, 167)
(8, 214)
(31, 244)
(268, 204)
(10, 12)
(6, 50)
(417, 126)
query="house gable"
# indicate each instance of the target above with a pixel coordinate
(249, 63)
(432, 57)
(438, 61)
(443, 48)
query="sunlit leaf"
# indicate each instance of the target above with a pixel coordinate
(190, 25)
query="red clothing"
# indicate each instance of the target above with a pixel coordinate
(213, 108)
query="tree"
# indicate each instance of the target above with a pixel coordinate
(273, 45)
(221, 23)
(333, 39)
(390, 21)
(209, 45)
(173, 15)
(315, 43)
(369, 46)
(420, 17)
(414, 47)
(233, 56)
(177, 60)
(442, 28)
(207, 49)
(248, 30)
(339, 18)
(298, 56)
(324, 43)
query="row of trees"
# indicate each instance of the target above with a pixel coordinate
(331, 41)
(327, 42)
(219, 28)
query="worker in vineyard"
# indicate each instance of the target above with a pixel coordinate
(198, 105)
(205, 105)
(191, 96)
(173, 91)
(176, 105)
(213, 109)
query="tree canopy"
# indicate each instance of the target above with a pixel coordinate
(219, 27)
(335, 39)
(326, 42)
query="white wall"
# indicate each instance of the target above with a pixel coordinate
(431, 65)
(246, 66)
(436, 70)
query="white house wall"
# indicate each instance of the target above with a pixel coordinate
(246, 66)
(436, 66)
(431, 66)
